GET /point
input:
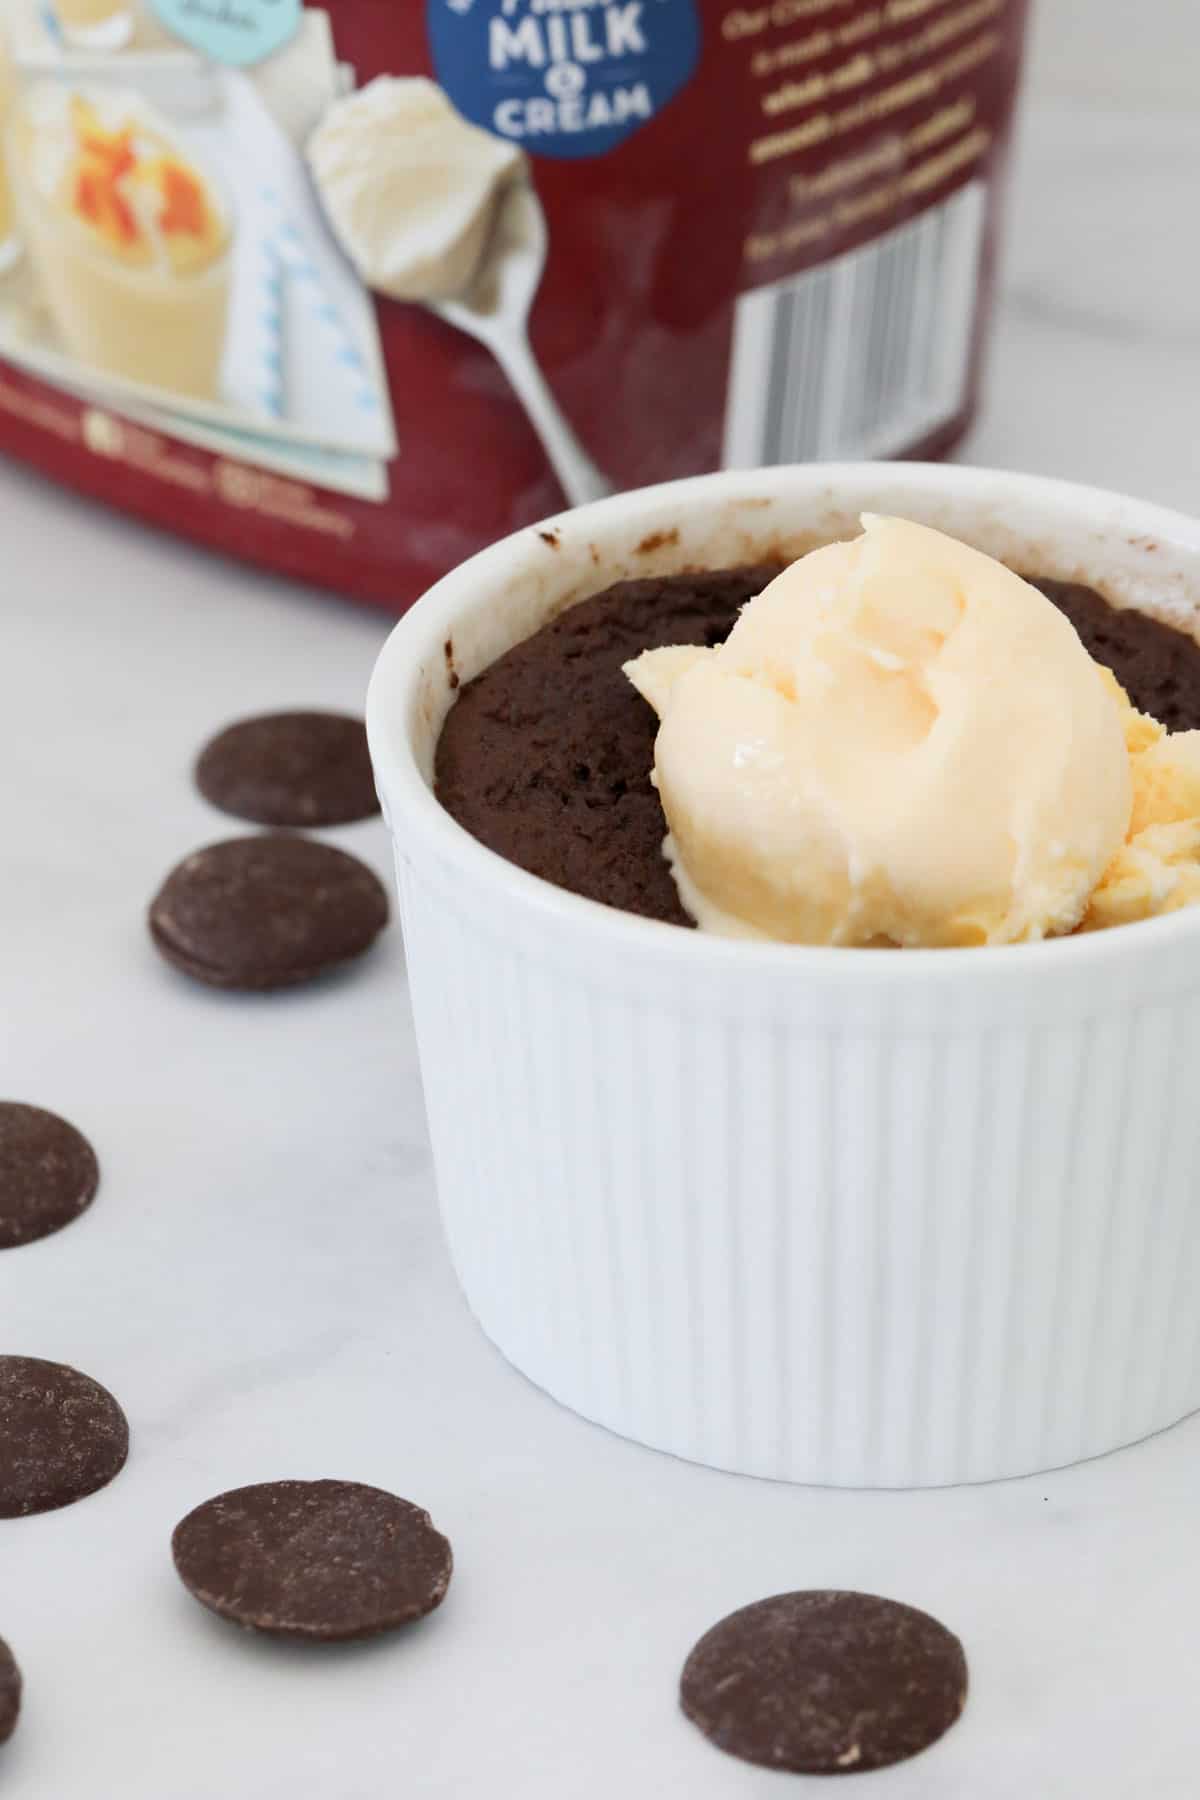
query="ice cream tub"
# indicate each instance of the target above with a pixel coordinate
(841, 1216)
(426, 273)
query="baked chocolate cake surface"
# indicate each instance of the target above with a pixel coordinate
(1158, 666)
(546, 756)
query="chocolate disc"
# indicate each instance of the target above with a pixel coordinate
(293, 768)
(62, 1436)
(825, 1683)
(321, 1560)
(10, 1692)
(266, 912)
(48, 1173)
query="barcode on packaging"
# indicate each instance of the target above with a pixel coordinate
(861, 356)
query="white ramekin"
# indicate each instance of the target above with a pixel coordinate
(825, 1215)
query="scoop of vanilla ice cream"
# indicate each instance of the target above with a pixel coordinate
(1166, 780)
(410, 187)
(1157, 869)
(900, 742)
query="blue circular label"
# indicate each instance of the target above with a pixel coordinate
(566, 78)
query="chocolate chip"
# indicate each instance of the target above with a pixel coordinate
(292, 768)
(62, 1436)
(48, 1173)
(266, 912)
(320, 1560)
(825, 1683)
(10, 1692)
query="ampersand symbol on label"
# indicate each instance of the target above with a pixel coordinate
(565, 80)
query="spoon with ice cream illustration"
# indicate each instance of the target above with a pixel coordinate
(431, 209)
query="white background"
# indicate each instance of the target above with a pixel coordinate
(261, 1280)
(1108, 49)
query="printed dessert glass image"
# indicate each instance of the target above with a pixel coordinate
(433, 210)
(129, 237)
(167, 256)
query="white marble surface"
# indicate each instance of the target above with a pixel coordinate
(262, 1281)
(1098, 49)
(1095, 360)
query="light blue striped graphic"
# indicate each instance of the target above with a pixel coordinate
(301, 270)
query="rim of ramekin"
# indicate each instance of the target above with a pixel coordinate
(419, 820)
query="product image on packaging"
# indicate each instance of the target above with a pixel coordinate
(354, 291)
